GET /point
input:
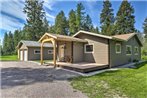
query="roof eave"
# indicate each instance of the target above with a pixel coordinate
(90, 33)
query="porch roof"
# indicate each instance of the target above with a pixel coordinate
(62, 37)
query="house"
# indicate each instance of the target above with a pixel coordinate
(30, 50)
(93, 48)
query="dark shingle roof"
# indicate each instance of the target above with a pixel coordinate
(33, 44)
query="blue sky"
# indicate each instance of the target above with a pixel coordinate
(12, 16)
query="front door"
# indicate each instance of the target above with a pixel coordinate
(61, 52)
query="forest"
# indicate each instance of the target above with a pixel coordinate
(37, 24)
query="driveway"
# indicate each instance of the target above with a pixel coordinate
(30, 80)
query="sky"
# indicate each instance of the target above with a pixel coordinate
(12, 16)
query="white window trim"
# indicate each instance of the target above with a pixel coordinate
(131, 49)
(35, 52)
(50, 50)
(85, 48)
(137, 50)
(116, 48)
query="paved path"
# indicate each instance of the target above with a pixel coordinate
(30, 80)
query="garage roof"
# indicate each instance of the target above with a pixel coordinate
(33, 44)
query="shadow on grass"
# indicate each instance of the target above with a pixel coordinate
(14, 76)
(140, 65)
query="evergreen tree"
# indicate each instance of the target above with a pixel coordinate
(10, 43)
(5, 44)
(95, 30)
(36, 24)
(80, 16)
(61, 24)
(88, 23)
(125, 19)
(107, 18)
(17, 37)
(145, 27)
(72, 22)
(51, 29)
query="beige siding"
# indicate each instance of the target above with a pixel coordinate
(32, 56)
(100, 54)
(122, 58)
(67, 51)
(78, 51)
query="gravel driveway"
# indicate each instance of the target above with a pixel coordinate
(30, 80)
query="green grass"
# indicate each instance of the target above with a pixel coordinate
(144, 57)
(130, 83)
(9, 58)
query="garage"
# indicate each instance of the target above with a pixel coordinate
(30, 50)
(23, 55)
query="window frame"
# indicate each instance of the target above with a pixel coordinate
(130, 49)
(85, 48)
(50, 50)
(137, 50)
(35, 51)
(117, 52)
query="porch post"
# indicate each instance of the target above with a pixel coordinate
(54, 44)
(41, 53)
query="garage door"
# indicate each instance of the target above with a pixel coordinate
(25, 55)
(21, 55)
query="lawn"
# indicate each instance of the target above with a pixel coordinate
(144, 57)
(124, 83)
(9, 58)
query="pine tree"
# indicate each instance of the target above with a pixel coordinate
(145, 27)
(72, 22)
(125, 19)
(95, 30)
(87, 24)
(36, 21)
(80, 16)
(5, 43)
(61, 24)
(17, 37)
(10, 43)
(107, 18)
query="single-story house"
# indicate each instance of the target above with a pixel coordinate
(30, 50)
(93, 48)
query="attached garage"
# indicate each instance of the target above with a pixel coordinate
(30, 50)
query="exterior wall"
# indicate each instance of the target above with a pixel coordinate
(32, 56)
(67, 51)
(78, 52)
(122, 58)
(100, 48)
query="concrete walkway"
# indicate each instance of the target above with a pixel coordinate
(30, 80)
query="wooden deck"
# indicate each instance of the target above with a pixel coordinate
(83, 67)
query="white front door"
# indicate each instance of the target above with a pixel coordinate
(25, 55)
(21, 55)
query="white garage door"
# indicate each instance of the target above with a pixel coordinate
(21, 55)
(25, 55)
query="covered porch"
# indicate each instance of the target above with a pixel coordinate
(66, 53)
(62, 47)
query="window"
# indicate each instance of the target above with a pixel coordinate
(50, 51)
(89, 48)
(118, 48)
(128, 50)
(136, 50)
(36, 51)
